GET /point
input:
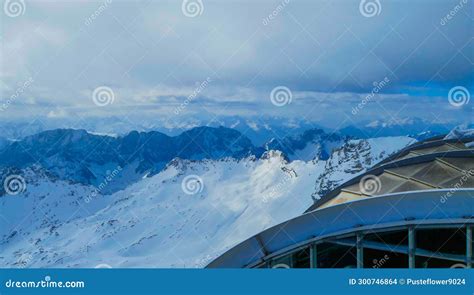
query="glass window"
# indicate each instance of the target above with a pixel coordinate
(384, 259)
(395, 238)
(331, 255)
(301, 259)
(442, 240)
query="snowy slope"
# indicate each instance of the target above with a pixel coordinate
(155, 223)
(165, 220)
(43, 205)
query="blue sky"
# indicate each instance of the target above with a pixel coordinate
(153, 57)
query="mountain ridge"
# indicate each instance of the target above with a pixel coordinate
(78, 155)
(85, 157)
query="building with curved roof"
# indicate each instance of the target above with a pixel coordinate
(413, 210)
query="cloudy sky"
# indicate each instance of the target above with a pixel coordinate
(317, 60)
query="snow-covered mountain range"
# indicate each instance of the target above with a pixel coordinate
(414, 127)
(310, 145)
(258, 130)
(86, 158)
(172, 208)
